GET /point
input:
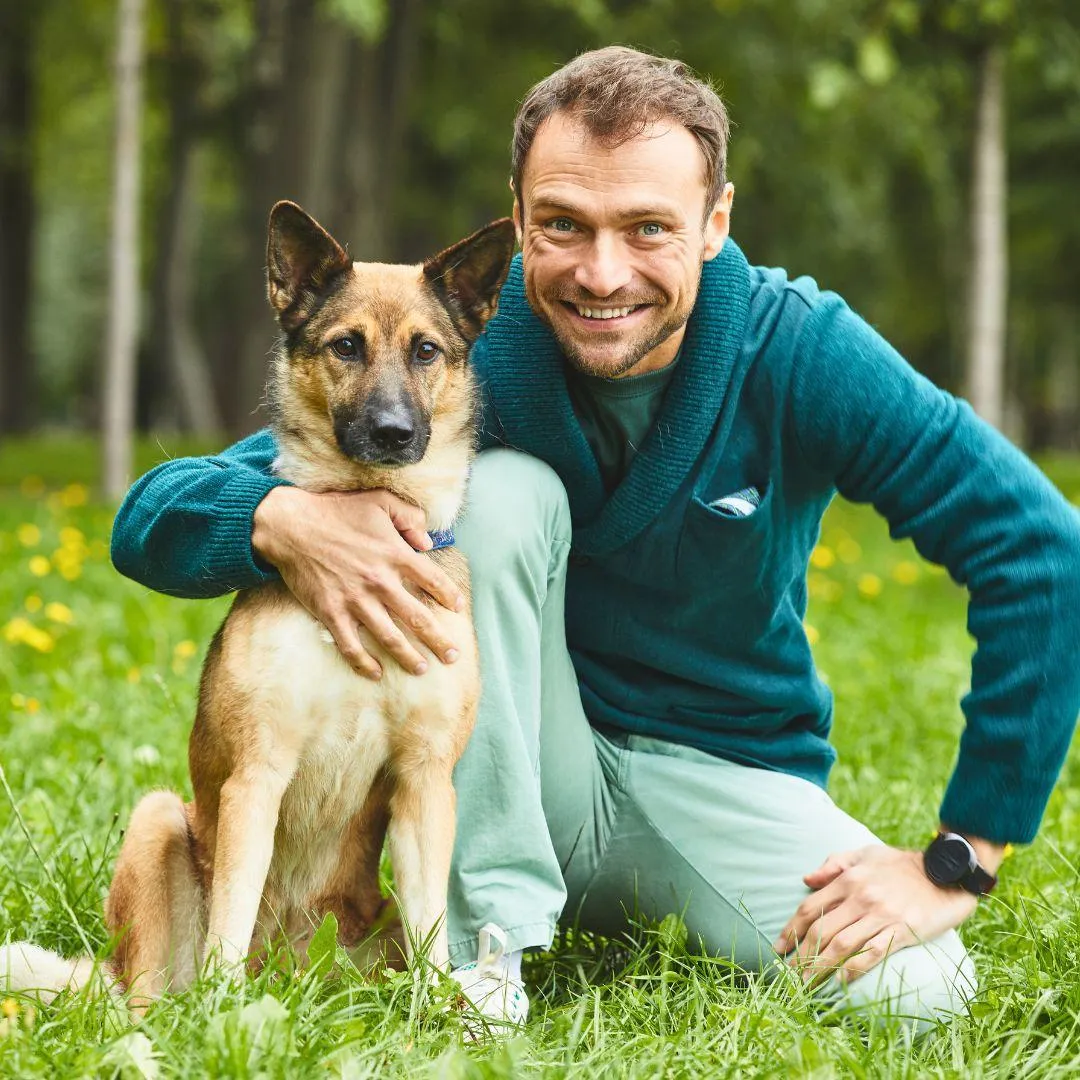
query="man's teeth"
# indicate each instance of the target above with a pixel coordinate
(604, 313)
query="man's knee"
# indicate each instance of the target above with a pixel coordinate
(920, 986)
(516, 508)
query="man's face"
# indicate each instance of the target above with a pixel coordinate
(613, 239)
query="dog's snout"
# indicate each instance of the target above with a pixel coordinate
(392, 429)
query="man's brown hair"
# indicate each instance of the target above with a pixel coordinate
(617, 93)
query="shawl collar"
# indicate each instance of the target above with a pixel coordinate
(522, 371)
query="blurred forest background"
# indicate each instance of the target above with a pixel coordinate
(921, 158)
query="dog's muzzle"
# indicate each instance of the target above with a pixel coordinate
(384, 433)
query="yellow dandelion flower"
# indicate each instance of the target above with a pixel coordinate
(849, 551)
(32, 486)
(22, 631)
(74, 495)
(33, 603)
(71, 571)
(906, 572)
(10, 1008)
(59, 613)
(134, 675)
(29, 534)
(32, 705)
(822, 557)
(185, 650)
(39, 566)
(812, 634)
(870, 585)
(71, 537)
(17, 701)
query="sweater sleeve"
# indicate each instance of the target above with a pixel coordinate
(185, 527)
(975, 504)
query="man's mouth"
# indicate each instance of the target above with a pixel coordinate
(602, 314)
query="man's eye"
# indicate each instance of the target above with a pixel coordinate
(346, 347)
(562, 225)
(651, 228)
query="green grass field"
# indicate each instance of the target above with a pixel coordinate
(97, 689)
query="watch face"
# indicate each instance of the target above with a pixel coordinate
(948, 860)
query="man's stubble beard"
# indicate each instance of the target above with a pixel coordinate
(635, 351)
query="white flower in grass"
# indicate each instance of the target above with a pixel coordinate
(146, 755)
(134, 1057)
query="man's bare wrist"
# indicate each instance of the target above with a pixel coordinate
(270, 521)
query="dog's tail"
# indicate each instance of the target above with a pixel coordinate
(28, 969)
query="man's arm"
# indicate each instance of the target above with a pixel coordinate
(973, 503)
(200, 527)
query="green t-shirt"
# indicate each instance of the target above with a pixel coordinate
(617, 414)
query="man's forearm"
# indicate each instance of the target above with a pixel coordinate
(185, 528)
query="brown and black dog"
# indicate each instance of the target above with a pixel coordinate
(299, 766)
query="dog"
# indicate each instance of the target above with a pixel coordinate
(299, 766)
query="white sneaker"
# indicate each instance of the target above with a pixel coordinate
(495, 1002)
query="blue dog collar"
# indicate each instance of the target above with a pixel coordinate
(441, 538)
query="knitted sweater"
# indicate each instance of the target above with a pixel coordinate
(684, 621)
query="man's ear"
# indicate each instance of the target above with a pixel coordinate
(518, 215)
(718, 223)
(468, 276)
(301, 259)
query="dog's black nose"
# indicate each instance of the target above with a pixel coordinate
(392, 429)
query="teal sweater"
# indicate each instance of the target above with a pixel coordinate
(686, 623)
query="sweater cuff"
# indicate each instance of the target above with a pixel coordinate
(231, 558)
(985, 801)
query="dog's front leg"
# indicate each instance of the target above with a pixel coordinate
(421, 834)
(247, 820)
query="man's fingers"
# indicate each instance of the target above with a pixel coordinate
(813, 908)
(876, 949)
(406, 517)
(423, 624)
(831, 869)
(387, 633)
(418, 539)
(347, 638)
(424, 573)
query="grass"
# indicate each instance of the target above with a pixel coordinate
(97, 686)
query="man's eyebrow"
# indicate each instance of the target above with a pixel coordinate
(634, 213)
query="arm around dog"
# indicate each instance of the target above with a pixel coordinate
(202, 527)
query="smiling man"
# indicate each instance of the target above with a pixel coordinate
(653, 736)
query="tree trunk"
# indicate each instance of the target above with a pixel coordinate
(267, 156)
(183, 358)
(16, 214)
(989, 270)
(373, 134)
(123, 316)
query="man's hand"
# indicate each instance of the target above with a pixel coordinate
(346, 558)
(867, 904)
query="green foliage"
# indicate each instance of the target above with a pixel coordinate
(98, 681)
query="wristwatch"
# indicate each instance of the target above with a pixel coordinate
(950, 860)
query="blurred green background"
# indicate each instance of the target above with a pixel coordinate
(852, 155)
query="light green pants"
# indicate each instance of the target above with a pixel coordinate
(555, 820)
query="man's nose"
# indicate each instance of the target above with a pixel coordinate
(604, 268)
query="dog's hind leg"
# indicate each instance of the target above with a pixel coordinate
(422, 811)
(156, 904)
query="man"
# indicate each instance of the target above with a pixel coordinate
(661, 744)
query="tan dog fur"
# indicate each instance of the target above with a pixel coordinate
(299, 766)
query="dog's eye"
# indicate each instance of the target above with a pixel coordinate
(426, 352)
(346, 348)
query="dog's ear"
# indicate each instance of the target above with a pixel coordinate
(469, 275)
(301, 258)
